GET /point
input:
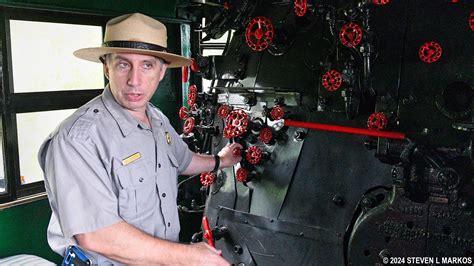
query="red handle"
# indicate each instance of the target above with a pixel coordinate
(207, 232)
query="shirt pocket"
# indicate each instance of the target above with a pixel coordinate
(173, 175)
(137, 195)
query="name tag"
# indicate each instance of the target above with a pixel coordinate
(131, 158)
(168, 138)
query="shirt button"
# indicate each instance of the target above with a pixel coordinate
(140, 179)
(169, 224)
(96, 110)
(163, 195)
(159, 165)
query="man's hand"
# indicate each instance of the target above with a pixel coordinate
(207, 254)
(228, 156)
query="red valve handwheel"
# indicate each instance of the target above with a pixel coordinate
(471, 21)
(207, 232)
(254, 155)
(380, 2)
(188, 126)
(192, 95)
(194, 66)
(223, 111)
(184, 74)
(236, 124)
(183, 112)
(237, 152)
(242, 175)
(350, 34)
(207, 178)
(332, 80)
(377, 121)
(259, 33)
(277, 112)
(430, 52)
(265, 135)
(301, 6)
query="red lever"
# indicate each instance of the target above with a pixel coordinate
(207, 232)
(343, 129)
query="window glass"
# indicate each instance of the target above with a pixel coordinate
(33, 128)
(206, 83)
(43, 60)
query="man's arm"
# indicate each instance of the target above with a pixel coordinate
(204, 163)
(124, 243)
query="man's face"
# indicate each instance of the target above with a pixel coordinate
(133, 79)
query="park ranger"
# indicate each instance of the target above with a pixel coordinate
(111, 167)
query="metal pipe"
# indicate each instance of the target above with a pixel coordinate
(343, 129)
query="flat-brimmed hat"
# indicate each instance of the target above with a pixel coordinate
(137, 34)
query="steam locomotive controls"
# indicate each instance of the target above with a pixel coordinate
(377, 121)
(350, 35)
(259, 33)
(207, 178)
(430, 52)
(236, 124)
(332, 80)
(301, 6)
(292, 77)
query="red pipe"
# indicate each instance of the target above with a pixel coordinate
(343, 129)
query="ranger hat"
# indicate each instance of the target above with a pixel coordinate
(136, 34)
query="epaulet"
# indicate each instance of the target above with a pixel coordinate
(83, 123)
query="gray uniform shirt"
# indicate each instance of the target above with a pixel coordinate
(102, 166)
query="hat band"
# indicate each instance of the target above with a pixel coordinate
(135, 45)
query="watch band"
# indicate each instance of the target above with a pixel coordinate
(217, 160)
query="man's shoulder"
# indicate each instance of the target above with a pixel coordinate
(158, 112)
(79, 124)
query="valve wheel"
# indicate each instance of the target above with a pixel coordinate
(242, 175)
(332, 80)
(254, 155)
(223, 111)
(430, 52)
(377, 121)
(207, 178)
(259, 33)
(189, 124)
(471, 21)
(265, 135)
(350, 34)
(192, 95)
(380, 2)
(236, 124)
(194, 66)
(277, 112)
(183, 112)
(301, 6)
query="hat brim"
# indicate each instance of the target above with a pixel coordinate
(94, 54)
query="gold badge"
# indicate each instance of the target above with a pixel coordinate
(131, 158)
(168, 138)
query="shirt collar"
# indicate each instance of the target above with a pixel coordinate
(126, 122)
(124, 119)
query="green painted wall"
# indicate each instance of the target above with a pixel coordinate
(158, 8)
(23, 231)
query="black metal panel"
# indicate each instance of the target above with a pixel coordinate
(268, 239)
(271, 188)
(334, 172)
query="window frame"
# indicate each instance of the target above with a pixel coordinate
(12, 103)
